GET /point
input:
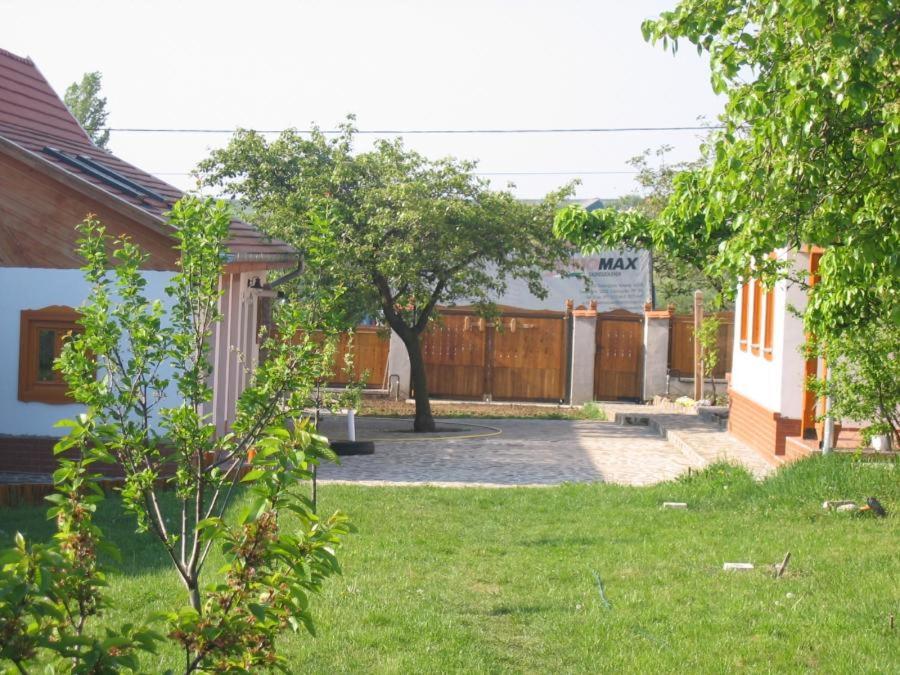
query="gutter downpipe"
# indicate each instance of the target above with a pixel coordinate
(828, 432)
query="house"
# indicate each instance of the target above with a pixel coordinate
(771, 409)
(51, 177)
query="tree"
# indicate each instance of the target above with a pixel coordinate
(807, 155)
(162, 440)
(84, 101)
(401, 234)
(708, 337)
(862, 384)
(675, 278)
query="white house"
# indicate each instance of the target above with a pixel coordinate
(771, 409)
(51, 177)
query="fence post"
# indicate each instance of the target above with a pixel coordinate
(698, 354)
(584, 349)
(657, 337)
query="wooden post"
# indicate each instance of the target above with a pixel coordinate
(698, 354)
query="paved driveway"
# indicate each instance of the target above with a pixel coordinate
(507, 453)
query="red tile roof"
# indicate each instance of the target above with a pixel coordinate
(33, 117)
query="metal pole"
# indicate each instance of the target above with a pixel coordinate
(828, 432)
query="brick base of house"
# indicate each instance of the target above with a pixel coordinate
(34, 454)
(758, 427)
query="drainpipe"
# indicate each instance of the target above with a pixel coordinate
(828, 432)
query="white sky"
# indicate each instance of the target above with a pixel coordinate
(395, 64)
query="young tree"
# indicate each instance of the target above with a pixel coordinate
(123, 366)
(401, 233)
(84, 101)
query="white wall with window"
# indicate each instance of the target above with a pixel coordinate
(29, 375)
(767, 360)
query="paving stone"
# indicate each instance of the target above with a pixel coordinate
(525, 452)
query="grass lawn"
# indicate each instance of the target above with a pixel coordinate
(487, 580)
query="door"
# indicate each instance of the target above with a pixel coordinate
(617, 363)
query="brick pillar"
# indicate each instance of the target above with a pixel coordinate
(398, 364)
(657, 326)
(584, 349)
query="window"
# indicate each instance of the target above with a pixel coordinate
(770, 324)
(42, 335)
(757, 308)
(745, 302)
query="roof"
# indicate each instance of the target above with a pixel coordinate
(35, 120)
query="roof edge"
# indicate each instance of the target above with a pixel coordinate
(88, 189)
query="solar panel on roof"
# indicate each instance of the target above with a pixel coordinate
(104, 174)
(113, 174)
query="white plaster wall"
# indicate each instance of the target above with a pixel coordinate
(28, 288)
(777, 385)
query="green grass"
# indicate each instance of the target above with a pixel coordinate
(488, 580)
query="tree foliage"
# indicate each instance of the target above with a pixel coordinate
(862, 383)
(807, 156)
(123, 366)
(675, 278)
(399, 233)
(84, 101)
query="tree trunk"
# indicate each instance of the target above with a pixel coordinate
(424, 421)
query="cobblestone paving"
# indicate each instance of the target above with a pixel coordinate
(525, 452)
(699, 439)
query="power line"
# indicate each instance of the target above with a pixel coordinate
(399, 132)
(478, 173)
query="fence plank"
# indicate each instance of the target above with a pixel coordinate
(681, 345)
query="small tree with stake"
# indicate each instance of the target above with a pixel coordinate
(117, 367)
(401, 233)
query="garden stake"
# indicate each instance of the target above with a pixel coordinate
(779, 569)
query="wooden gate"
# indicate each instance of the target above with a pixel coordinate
(617, 363)
(519, 357)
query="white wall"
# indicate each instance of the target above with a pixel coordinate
(28, 288)
(777, 384)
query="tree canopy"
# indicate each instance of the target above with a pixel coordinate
(396, 233)
(84, 101)
(807, 152)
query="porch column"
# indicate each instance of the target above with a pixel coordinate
(584, 349)
(398, 364)
(657, 325)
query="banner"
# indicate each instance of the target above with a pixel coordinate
(616, 280)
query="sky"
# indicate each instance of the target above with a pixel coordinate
(395, 64)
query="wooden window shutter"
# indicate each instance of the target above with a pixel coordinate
(745, 300)
(768, 340)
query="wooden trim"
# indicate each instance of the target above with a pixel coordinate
(745, 299)
(58, 318)
(757, 311)
(503, 310)
(769, 337)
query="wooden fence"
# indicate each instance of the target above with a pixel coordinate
(369, 349)
(521, 356)
(681, 345)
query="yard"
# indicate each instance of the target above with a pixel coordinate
(482, 580)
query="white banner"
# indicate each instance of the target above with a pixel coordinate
(617, 280)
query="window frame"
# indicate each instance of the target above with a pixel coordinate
(58, 318)
(769, 318)
(745, 313)
(755, 331)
